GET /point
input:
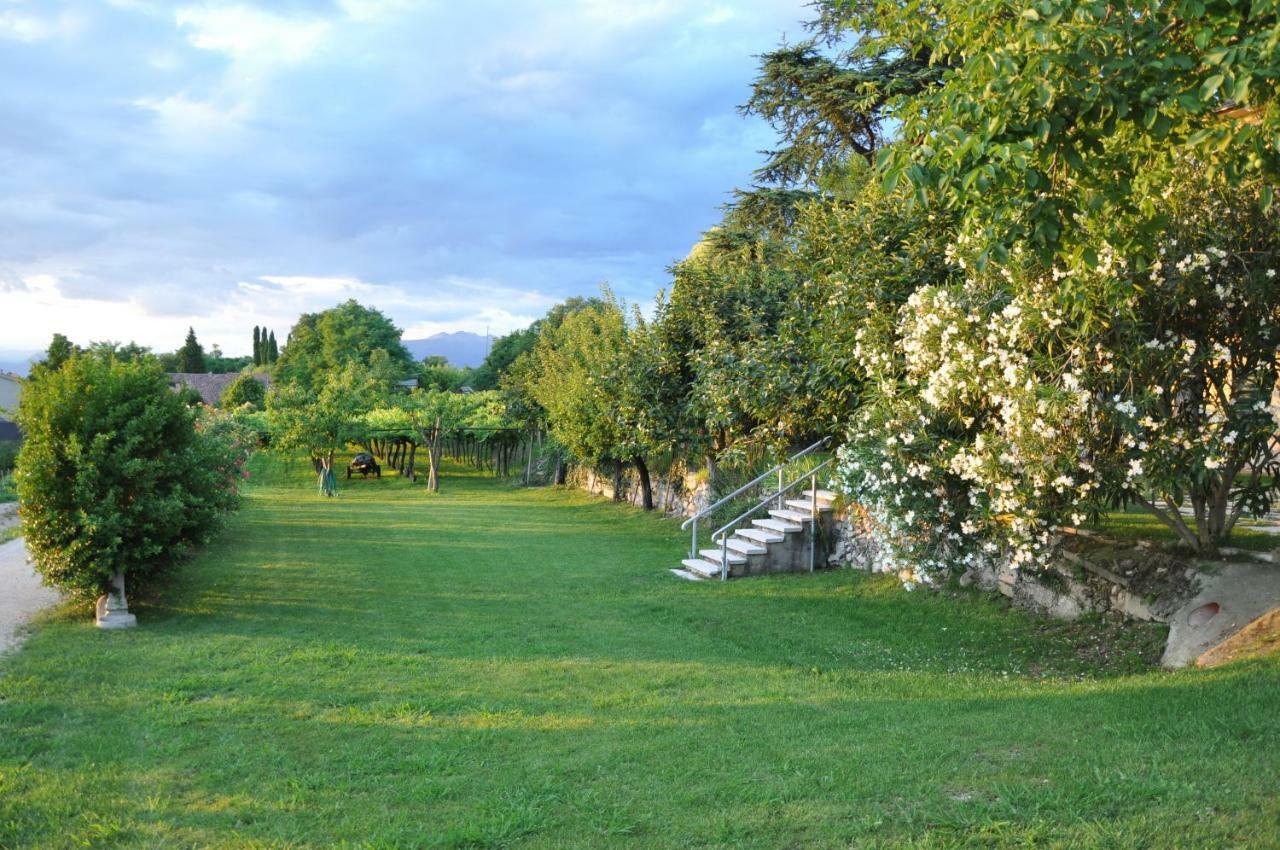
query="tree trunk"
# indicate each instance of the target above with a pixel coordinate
(327, 484)
(558, 477)
(646, 486)
(433, 476)
(413, 451)
(617, 480)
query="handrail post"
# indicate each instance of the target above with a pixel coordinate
(724, 558)
(813, 532)
(780, 482)
(693, 547)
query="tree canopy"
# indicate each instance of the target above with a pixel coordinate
(324, 342)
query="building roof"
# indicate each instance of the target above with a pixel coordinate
(209, 385)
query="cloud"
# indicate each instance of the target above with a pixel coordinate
(454, 164)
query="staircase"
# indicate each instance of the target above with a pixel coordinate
(793, 538)
(787, 531)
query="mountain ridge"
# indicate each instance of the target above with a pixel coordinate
(460, 348)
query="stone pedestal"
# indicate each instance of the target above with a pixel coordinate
(113, 610)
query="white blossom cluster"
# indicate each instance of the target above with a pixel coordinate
(997, 420)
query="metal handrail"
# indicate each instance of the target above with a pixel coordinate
(722, 532)
(693, 520)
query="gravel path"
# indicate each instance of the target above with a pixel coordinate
(21, 593)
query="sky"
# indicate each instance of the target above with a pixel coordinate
(458, 165)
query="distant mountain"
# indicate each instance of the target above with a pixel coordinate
(460, 349)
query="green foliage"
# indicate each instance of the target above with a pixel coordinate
(60, 350)
(324, 420)
(572, 365)
(506, 350)
(191, 355)
(435, 373)
(245, 389)
(322, 343)
(114, 476)
(1024, 118)
(8, 454)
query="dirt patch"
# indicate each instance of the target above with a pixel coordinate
(8, 515)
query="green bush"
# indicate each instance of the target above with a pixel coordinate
(8, 455)
(114, 475)
(245, 389)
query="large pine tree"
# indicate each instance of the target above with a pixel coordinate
(257, 346)
(273, 353)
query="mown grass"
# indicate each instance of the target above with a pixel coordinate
(1134, 525)
(490, 667)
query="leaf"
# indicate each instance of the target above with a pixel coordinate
(1030, 15)
(1210, 86)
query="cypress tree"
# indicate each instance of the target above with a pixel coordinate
(257, 346)
(273, 353)
(191, 355)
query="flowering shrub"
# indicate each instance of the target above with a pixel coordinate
(1000, 410)
(970, 450)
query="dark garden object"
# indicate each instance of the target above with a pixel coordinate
(364, 464)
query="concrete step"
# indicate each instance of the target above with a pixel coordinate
(760, 535)
(825, 495)
(791, 516)
(778, 525)
(698, 567)
(807, 506)
(745, 547)
(713, 555)
(687, 575)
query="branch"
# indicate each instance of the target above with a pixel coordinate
(1173, 520)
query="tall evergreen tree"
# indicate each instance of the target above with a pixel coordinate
(191, 355)
(273, 353)
(257, 346)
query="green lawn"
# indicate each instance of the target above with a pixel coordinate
(494, 667)
(1136, 524)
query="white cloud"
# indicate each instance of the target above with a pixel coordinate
(42, 307)
(248, 32)
(23, 26)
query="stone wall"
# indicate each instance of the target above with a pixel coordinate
(1089, 575)
(677, 493)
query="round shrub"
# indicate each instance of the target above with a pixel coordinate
(114, 476)
(245, 389)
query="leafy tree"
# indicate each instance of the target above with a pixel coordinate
(324, 342)
(125, 352)
(191, 355)
(326, 419)
(436, 373)
(507, 349)
(60, 351)
(596, 377)
(245, 389)
(113, 476)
